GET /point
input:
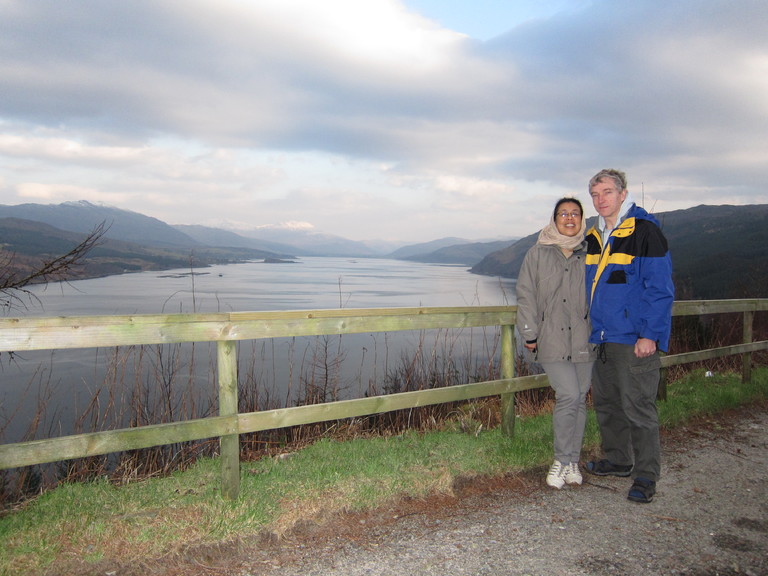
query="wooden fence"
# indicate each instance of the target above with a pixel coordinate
(226, 329)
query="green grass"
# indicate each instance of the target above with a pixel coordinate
(147, 519)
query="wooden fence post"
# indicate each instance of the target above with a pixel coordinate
(746, 359)
(230, 444)
(508, 371)
(661, 393)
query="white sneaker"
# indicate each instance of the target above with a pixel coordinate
(572, 474)
(555, 475)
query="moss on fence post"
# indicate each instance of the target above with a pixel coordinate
(746, 359)
(230, 444)
(508, 371)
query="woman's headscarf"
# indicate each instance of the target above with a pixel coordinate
(550, 235)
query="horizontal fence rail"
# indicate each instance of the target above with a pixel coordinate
(19, 334)
(226, 329)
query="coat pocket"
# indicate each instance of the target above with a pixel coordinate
(617, 277)
(643, 365)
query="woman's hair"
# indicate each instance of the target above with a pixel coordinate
(563, 201)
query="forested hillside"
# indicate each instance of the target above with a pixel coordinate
(717, 252)
(25, 244)
(83, 216)
(465, 254)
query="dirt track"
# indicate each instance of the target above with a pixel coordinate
(709, 517)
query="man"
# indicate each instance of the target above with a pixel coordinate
(629, 285)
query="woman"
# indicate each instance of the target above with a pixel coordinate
(553, 318)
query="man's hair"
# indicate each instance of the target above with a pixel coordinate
(618, 177)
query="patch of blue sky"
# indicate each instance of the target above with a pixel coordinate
(486, 19)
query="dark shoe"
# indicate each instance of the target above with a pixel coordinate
(642, 490)
(608, 468)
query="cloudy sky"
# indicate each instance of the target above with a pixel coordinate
(403, 120)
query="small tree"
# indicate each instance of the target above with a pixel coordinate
(14, 285)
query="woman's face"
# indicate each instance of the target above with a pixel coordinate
(568, 219)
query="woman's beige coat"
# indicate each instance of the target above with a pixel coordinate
(552, 305)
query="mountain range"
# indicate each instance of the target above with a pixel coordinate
(136, 242)
(717, 251)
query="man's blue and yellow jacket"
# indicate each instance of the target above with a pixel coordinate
(629, 283)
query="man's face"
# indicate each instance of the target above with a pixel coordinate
(607, 199)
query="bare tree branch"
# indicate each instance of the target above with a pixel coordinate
(13, 287)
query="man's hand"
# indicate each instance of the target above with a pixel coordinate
(644, 347)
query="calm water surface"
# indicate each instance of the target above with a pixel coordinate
(276, 372)
(309, 283)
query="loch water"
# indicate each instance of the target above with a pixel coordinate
(50, 393)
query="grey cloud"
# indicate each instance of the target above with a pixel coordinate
(195, 70)
(676, 91)
(632, 82)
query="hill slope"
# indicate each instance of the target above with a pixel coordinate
(412, 250)
(465, 254)
(220, 237)
(83, 217)
(717, 252)
(27, 244)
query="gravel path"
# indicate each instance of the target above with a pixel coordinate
(709, 517)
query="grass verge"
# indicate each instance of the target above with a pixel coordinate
(98, 521)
